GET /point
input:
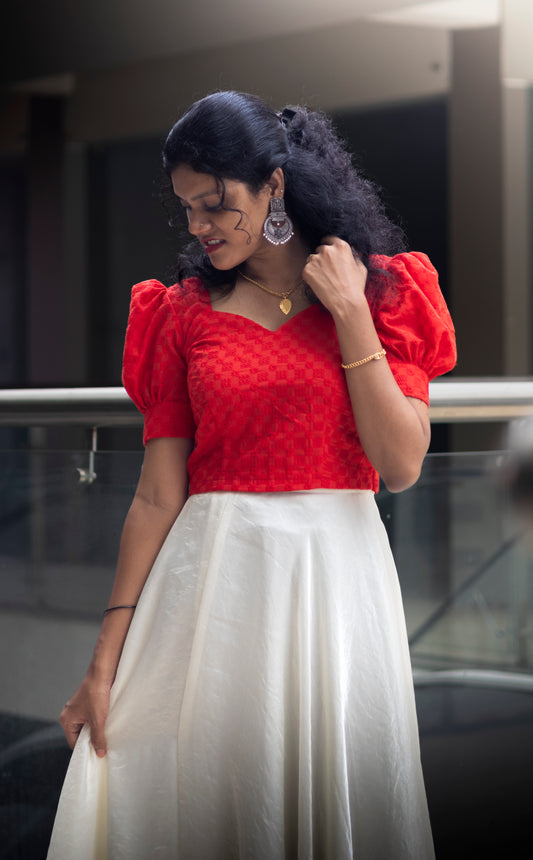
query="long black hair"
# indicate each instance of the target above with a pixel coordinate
(232, 135)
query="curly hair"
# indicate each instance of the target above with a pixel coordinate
(232, 135)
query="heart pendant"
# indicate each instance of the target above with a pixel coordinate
(285, 305)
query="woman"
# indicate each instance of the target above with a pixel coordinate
(263, 704)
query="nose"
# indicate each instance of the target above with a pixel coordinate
(199, 223)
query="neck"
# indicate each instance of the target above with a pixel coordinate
(279, 268)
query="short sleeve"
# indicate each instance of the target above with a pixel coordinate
(154, 368)
(413, 323)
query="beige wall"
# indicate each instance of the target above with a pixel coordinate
(517, 39)
(336, 67)
(517, 205)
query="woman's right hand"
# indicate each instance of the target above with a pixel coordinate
(160, 496)
(89, 704)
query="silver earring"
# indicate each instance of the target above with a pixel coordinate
(278, 227)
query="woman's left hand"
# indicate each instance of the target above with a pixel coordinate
(393, 429)
(336, 276)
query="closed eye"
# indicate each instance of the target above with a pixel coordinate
(217, 208)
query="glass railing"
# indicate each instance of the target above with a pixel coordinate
(464, 562)
(464, 559)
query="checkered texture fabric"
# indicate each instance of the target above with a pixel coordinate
(270, 411)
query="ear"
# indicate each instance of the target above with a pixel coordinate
(276, 184)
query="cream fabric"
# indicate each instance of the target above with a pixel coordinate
(263, 707)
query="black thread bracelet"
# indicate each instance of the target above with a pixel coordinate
(122, 606)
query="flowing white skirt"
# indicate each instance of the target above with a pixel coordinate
(263, 707)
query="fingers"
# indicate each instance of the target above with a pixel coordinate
(331, 245)
(335, 273)
(70, 726)
(331, 240)
(73, 725)
(98, 740)
(334, 251)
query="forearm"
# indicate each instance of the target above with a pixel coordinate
(145, 529)
(394, 433)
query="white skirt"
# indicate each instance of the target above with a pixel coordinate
(263, 707)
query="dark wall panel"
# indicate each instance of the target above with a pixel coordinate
(403, 148)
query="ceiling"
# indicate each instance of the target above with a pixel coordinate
(40, 38)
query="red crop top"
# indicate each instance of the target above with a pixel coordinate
(270, 411)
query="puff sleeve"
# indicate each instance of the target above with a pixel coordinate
(413, 323)
(154, 368)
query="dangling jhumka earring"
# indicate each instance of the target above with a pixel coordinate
(278, 227)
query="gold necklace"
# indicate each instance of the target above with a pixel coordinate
(285, 304)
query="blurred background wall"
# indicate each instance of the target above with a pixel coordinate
(435, 98)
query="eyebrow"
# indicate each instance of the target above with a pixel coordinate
(199, 196)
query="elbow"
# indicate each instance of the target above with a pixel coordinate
(401, 479)
(402, 470)
(164, 505)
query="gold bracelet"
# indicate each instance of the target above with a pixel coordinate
(374, 357)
